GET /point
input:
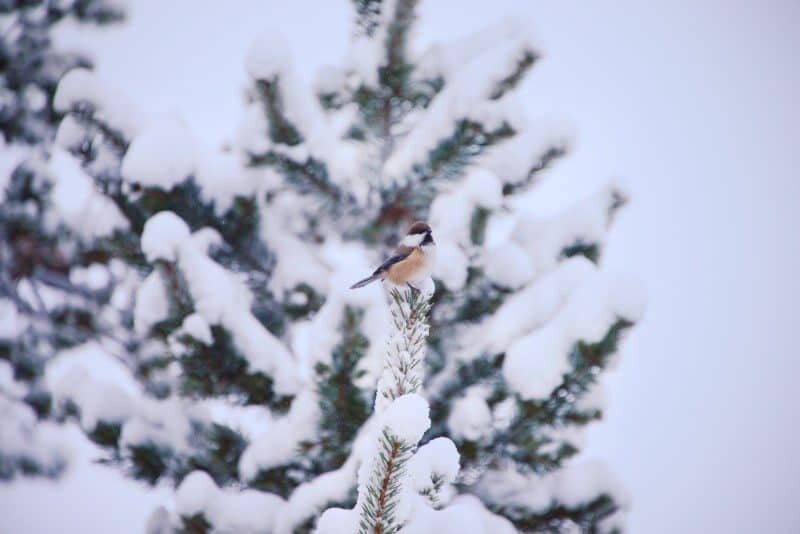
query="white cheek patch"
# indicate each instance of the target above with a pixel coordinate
(412, 240)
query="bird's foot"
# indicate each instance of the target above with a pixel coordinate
(414, 290)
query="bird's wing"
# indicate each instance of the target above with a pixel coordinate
(401, 253)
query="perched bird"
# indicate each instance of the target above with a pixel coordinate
(412, 261)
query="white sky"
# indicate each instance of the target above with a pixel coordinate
(694, 104)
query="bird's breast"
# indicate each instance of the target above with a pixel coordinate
(412, 267)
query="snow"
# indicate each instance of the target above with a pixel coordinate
(96, 361)
(337, 521)
(35, 98)
(439, 457)
(86, 485)
(31, 293)
(504, 413)
(576, 484)
(70, 133)
(104, 390)
(269, 59)
(481, 188)
(507, 265)
(407, 418)
(470, 417)
(217, 293)
(616, 522)
(451, 212)
(544, 238)
(163, 235)
(402, 367)
(450, 216)
(529, 308)
(79, 204)
(534, 364)
(342, 261)
(228, 510)
(310, 497)
(268, 56)
(111, 105)
(95, 276)
(463, 97)
(556, 437)
(366, 54)
(13, 155)
(22, 436)
(222, 177)
(152, 303)
(582, 482)
(163, 422)
(8, 385)
(162, 156)
(596, 398)
(466, 515)
(513, 159)
(100, 386)
(445, 59)
(278, 444)
(297, 263)
(197, 327)
(251, 420)
(263, 351)
(328, 79)
(451, 265)
(251, 130)
(361, 63)
(219, 296)
(12, 323)
(206, 238)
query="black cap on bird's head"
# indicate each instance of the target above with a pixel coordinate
(419, 234)
(419, 227)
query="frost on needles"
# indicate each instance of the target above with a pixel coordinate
(185, 308)
(385, 493)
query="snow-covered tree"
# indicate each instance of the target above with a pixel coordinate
(48, 283)
(226, 354)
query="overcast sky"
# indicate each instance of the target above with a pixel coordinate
(694, 104)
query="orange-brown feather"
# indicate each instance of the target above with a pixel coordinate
(406, 269)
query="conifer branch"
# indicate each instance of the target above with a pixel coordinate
(524, 62)
(281, 129)
(380, 496)
(468, 140)
(544, 162)
(309, 177)
(395, 73)
(405, 348)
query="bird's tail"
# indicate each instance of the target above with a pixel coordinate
(365, 281)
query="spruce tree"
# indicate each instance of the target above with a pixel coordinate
(212, 286)
(51, 280)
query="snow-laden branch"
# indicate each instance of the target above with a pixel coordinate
(383, 488)
(402, 489)
(218, 296)
(286, 127)
(402, 367)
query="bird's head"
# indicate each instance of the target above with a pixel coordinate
(418, 234)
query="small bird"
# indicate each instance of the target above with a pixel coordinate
(412, 261)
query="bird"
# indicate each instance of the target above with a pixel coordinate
(412, 261)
